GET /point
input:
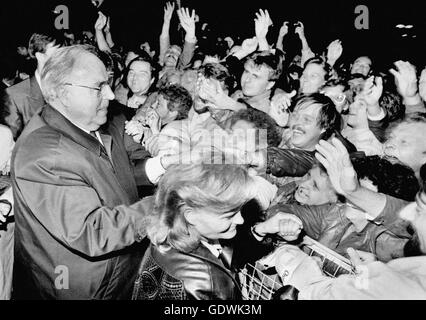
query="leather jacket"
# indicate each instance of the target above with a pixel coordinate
(176, 275)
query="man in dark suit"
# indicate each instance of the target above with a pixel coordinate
(78, 218)
(24, 99)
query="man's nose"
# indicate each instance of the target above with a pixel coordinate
(238, 218)
(108, 94)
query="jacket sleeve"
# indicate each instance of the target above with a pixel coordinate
(186, 56)
(13, 117)
(289, 162)
(73, 212)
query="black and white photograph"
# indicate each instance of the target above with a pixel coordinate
(227, 151)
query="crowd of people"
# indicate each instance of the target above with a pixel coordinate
(134, 173)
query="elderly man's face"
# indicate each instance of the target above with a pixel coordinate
(255, 80)
(88, 93)
(407, 143)
(362, 65)
(305, 130)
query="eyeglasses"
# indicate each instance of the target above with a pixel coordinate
(100, 89)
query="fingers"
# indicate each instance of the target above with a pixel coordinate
(354, 257)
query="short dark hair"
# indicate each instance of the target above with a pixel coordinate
(178, 99)
(260, 120)
(143, 57)
(391, 178)
(324, 64)
(273, 61)
(218, 72)
(38, 43)
(392, 103)
(329, 118)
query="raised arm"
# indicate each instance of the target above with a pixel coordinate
(187, 21)
(281, 35)
(262, 24)
(100, 24)
(165, 36)
(307, 53)
(108, 36)
(406, 83)
(334, 51)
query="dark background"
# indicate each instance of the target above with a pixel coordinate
(135, 21)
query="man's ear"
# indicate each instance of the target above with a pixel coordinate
(270, 85)
(173, 114)
(60, 94)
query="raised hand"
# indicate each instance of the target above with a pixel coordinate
(249, 45)
(187, 21)
(262, 24)
(372, 91)
(405, 78)
(284, 29)
(300, 29)
(422, 85)
(335, 158)
(279, 107)
(101, 21)
(334, 51)
(153, 121)
(168, 11)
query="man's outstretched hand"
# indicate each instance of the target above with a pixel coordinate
(335, 158)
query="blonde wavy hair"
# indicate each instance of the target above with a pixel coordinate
(218, 187)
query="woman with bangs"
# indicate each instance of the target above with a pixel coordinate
(196, 208)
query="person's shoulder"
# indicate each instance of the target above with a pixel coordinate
(19, 88)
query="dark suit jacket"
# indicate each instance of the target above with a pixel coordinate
(22, 101)
(76, 211)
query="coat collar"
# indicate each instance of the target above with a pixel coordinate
(205, 254)
(35, 91)
(57, 121)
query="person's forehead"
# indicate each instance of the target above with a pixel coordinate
(242, 124)
(89, 67)
(308, 108)
(256, 69)
(140, 66)
(410, 130)
(363, 60)
(314, 68)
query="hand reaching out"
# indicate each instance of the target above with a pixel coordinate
(262, 24)
(279, 107)
(405, 78)
(335, 158)
(168, 11)
(286, 225)
(372, 91)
